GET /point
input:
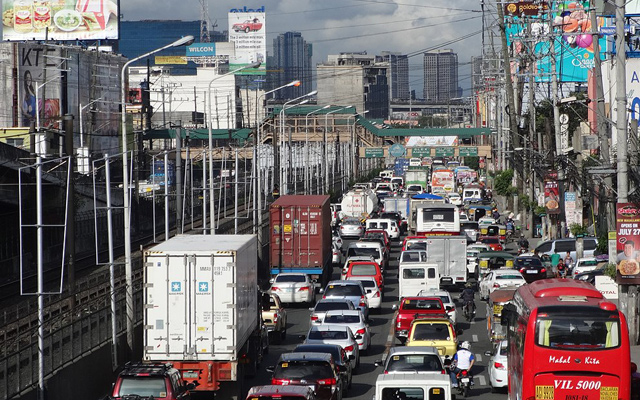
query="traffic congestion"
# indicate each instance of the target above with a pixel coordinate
(414, 286)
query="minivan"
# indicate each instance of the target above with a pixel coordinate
(561, 246)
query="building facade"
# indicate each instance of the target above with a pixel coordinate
(291, 61)
(398, 74)
(440, 75)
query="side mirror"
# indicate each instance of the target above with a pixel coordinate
(378, 363)
(272, 280)
(488, 353)
(321, 290)
(271, 368)
(394, 307)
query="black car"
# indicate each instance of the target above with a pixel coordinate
(312, 369)
(531, 268)
(340, 357)
(590, 276)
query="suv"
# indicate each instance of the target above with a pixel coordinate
(161, 381)
(339, 355)
(420, 359)
(309, 369)
(348, 290)
(274, 316)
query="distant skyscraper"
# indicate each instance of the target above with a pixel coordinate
(398, 73)
(291, 61)
(440, 75)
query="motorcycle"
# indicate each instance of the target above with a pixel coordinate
(522, 250)
(464, 382)
(469, 311)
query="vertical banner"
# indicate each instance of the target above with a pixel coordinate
(627, 243)
(551, 197)
(572, 208)
(32, 60)
(247, 30)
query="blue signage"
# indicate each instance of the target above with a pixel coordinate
(247, 10)
(397, 150)
(201, 50)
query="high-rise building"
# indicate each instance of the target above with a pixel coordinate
(291, 61)
(398, 74)
(440, 75)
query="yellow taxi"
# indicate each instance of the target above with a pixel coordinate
(438, 332)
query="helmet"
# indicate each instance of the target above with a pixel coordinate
(465, 345)
(469, 284)
(522, 235)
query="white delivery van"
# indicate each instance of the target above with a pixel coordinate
(413, 386)
(389, 225)
(414, 277)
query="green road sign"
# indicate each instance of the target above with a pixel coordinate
(445, 151)
(468, 151)
(374, 153)
(421, 152)
(397, 150)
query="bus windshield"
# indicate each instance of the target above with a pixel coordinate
(577, 333)
(438, 215)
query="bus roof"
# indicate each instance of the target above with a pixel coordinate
(548, 292)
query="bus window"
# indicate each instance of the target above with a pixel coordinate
(578, 334)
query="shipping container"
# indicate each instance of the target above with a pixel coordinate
(300, 236)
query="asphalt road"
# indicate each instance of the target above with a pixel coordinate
(382, 339)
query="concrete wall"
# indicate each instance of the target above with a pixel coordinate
(341, 85)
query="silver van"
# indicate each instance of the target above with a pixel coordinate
(561, 246)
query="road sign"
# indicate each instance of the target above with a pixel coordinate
(445, 151)
(468, 151)
(397, 150)
(421, 152)
(374, 153)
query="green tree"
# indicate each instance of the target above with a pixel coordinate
(503, 185)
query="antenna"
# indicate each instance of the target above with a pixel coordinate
(204, 17)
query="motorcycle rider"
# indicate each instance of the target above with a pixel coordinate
(462, 360)
(523, 242)
(468, 296)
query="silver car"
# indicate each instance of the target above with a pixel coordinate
(335, 334)
(323, 306)
(351, 227)
(355, 321)
(293, 287)
(348, 290)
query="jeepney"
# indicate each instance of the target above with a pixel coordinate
(488, 260)
(497, 300)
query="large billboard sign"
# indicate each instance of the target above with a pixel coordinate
(627, 243)
(34, 20)
(248, 32)
(36, 66)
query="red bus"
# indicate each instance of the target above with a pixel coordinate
(566, 342)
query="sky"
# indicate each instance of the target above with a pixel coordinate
(333, 26)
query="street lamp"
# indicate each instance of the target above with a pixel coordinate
(326, 148)
(307, 174)
(210, 133)
(354, 142)
(125, 185)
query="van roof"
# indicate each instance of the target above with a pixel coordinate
(413, 379)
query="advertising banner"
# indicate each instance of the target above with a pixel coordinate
(33, 20)
(572, 208)
(551, 197)
(627, 243)
(31, 74)
(247, 30)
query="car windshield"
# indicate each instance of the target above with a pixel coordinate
(343, 290)
(332, 305)
(490, 240)
(327, 335)
(389, 215)
(414, 256)
(503, 349)
(414, 188)
(143, 386)
(351, 222)
(445, 299)
(415, 362)
(342, 319)
(509, 277)
(374, 235)
(421, 304)
(291, 278)
(425, 331)
(363, 269)
(363, 251)
(309, 370)
(577, 332)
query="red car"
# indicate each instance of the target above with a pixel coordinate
(366, 268)
(412, 308)
(248, 26)
(492, 241)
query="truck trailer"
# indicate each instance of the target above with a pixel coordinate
(202, 310)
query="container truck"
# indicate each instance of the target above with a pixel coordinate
(416, 177)
(202, 310)
(397, 204)
(450, 254)
(300, 236)
(359, 203)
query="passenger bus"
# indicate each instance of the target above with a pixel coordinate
(566, 342)
(437, 220)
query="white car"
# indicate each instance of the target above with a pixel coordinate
(373, 292)
(486, 221)
(472, 260)
(323, 306)
(498, 377)
(479, 246)
(294, 287)
(355, 321)
(500, 278)
(455, 199)
(389, 225)
(584, 264)
(447, 301)
(464, 217)
(336, 254)
(335, 334)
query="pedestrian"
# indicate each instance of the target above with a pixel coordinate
(555, 258)
(568, 260)
(561, 269)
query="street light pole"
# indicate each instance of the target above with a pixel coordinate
(125, 185)
(307, 174)
(325, 160)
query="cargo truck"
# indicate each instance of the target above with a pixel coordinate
(359, 203)
(202, 310)
(450, 254)
(415, 177)
(300, 236)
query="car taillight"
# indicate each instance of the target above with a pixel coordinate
(443, 372)
(275, 288)
(362, 302)
(522, 270)
(360, 331)
(496, 285)
(499, 365)
(377, 294)
(543, 270)
(330, 381)
(342, 228)
(348, 348)
(314, 317)
(304, 288)
(276, 381)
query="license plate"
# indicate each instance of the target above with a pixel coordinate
(609, 393)
(464, 380)
(189, 375)
(532, 272)
(544, 392)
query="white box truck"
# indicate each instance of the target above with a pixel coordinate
(202, 309)
(450, 254)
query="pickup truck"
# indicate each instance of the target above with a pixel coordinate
(413, 307)
(274, 316)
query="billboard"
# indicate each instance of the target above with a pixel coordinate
(35, 20)
(36, 65)
(247, 30)
(551, 197)
(627, 243)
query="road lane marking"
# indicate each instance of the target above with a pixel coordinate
(390, 341)
(478, 357)
(474, 338)
(482, 381)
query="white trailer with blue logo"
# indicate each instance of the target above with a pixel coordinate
(202, 311)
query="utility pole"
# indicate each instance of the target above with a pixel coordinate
(71, 212)
(556, 121)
